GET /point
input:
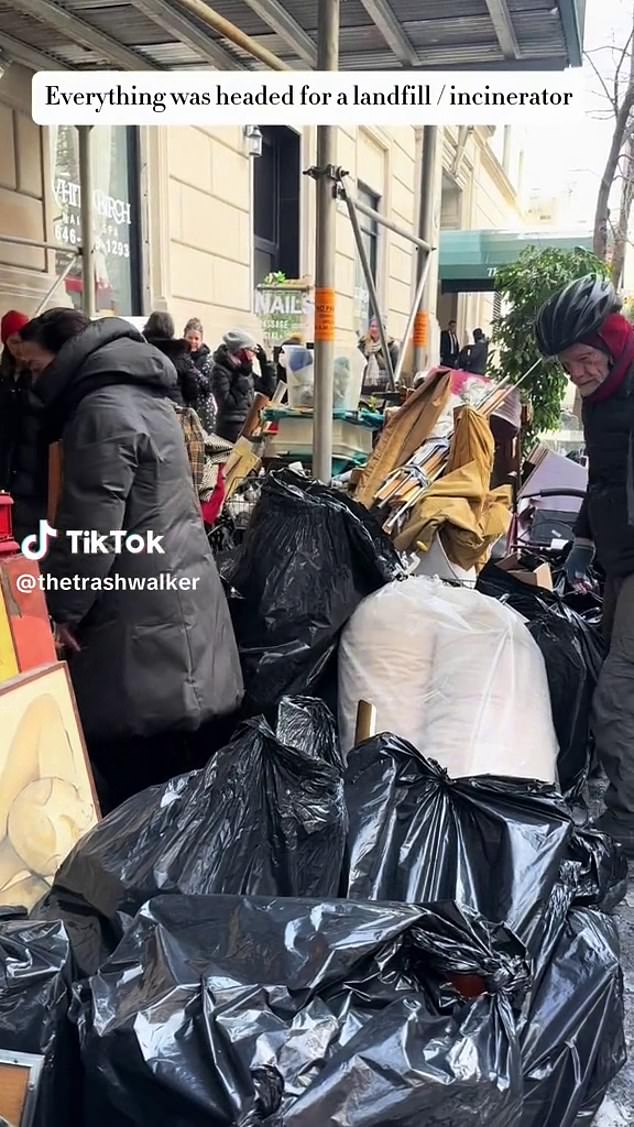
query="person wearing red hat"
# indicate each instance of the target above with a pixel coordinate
(23, 442)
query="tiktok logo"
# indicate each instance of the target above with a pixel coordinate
(35, 547)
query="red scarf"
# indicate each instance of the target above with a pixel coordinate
(616, 337)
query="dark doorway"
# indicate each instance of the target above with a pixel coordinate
(276, 203)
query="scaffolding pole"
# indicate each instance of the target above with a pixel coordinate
(87, 226)
(369, 279)
(422, 323)
(325, 256)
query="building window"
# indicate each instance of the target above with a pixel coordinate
(116, 211)
(276, 204)
(370, 239)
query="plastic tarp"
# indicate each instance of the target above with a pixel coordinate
(573, 651)
(455, 673)
(243, 1011)
(510, 851)
(35, 992)
(266, 816)
(310, 556)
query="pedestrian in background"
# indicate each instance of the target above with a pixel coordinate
(235, 383)
(477, 354)
(375, 377)
(159, 331)
(449, 346)
(201, 356)
(23, 439)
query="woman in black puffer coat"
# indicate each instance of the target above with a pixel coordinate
(159, 331)
(205, 404)
(234, 382)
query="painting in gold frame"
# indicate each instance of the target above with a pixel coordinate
(47, 794)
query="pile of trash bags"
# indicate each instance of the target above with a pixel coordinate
(36, 977)
(573, 649)
(309, 933)
(289, 940)
(310, 556)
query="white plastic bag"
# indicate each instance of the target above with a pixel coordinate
(455, 673)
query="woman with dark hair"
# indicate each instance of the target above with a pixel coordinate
(201, 356)
(23, 441)
(159, 331)
(152, 647)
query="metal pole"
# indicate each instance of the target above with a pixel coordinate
(229, 31)
(369, 281)
(58, 281)
(325, 252)
(87, 227)
(381, 219)
(426, 231)
(37, 243)
(420, 286)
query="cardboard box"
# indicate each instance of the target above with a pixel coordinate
(540, 576)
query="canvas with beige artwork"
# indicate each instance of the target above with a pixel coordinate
(47, 799)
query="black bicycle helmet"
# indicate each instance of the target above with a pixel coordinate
(574, 312)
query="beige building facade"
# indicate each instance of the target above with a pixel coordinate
(189, 221)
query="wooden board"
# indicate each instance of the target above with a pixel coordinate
(55, 465)
(27, 612)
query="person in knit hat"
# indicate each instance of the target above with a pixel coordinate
(235, 383)
(23, 441)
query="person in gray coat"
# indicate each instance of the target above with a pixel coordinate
(152, 649)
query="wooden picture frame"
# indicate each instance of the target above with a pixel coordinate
(55, 476)
(47, 791)
(20, 1078)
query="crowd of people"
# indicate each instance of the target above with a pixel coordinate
(152, 654)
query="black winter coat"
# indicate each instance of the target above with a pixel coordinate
(205, 403)
(23, 450)
(607, 514)
(151, 660)
(234, 390)
(177, 351)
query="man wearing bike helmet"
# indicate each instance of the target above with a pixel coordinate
(582, 326)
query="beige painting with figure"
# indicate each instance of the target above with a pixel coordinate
(46, 794)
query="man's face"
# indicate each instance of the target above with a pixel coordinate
(587, 367)
(452, 327)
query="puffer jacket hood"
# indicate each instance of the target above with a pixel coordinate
(172, 347)
(110, 351)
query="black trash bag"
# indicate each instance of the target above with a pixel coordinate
(573, 651)
(495, 845)
(573, 1040)
(601, 870)
(266, 816)
(241, 1011)
(310, 556)
(35, 993)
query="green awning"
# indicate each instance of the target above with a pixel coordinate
(469, 260)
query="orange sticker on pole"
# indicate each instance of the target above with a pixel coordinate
(324, 314)
(421, 330)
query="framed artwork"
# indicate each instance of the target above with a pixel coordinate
(47, 794)
(20, 1076)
